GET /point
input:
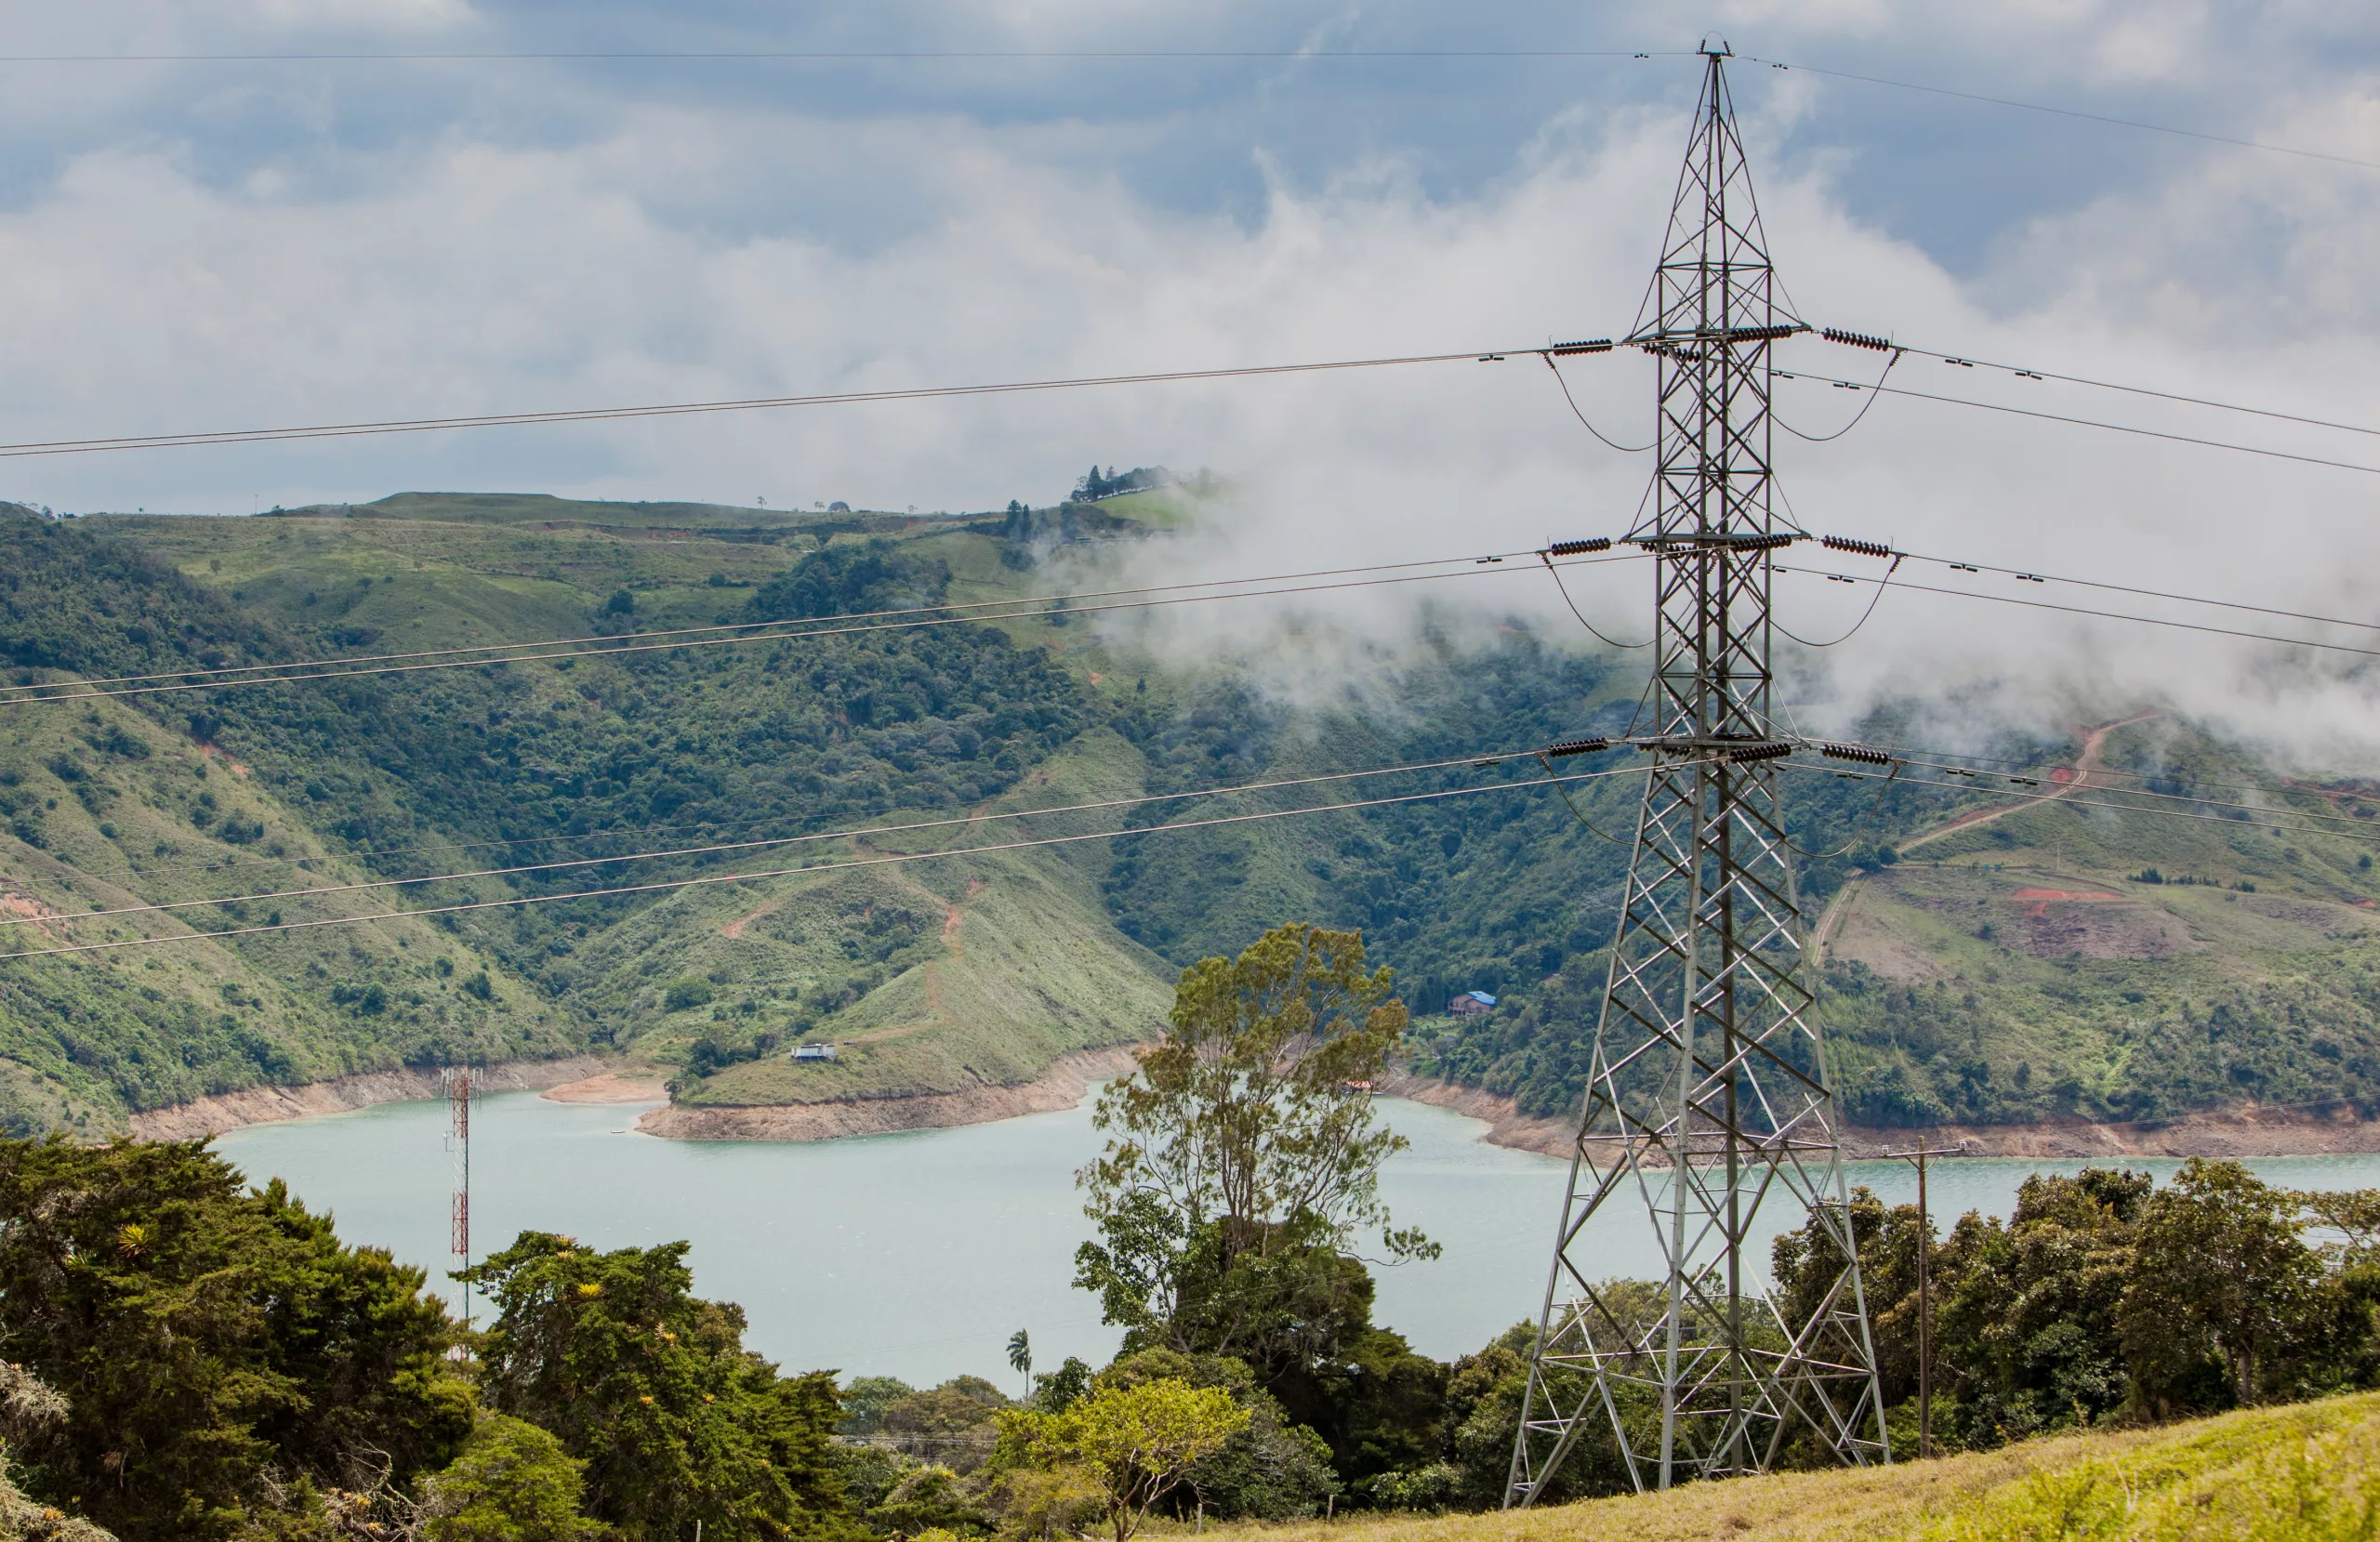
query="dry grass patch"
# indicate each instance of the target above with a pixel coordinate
(2268, 1472)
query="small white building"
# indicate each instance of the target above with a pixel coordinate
(813, 1051)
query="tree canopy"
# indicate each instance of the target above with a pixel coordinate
(652, 1388)
(1254, 1110)
(1130, 1444)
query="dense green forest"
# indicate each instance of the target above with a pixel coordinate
(1953, 997)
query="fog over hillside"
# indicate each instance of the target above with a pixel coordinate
(226, 244)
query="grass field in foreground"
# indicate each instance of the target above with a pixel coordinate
(2309, 1471)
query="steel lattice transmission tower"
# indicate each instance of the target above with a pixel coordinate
(1707, 1098)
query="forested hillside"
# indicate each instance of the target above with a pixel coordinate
(1956, 990)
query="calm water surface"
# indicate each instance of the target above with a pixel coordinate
(917, 1254)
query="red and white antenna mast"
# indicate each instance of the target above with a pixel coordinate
(460, 1094)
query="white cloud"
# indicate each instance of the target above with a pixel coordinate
(473, 270)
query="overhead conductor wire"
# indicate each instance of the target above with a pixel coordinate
(1846, 385)
(221, 672)
(2072, 112)
(2306, 818)
(2068, 800)
(1476, 761)
(326, 669)
(2090, 423)
(1624, 449)
(759, 403)
(2107, 616)
(1967, 360)
(711, 879)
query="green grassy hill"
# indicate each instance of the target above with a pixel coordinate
(2305, 1473)
(1954, 994)
(108, 808)
(2053, 959)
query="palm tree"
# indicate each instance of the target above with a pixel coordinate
(1020, 1358)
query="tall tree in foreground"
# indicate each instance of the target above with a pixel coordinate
(1250, 1123)
(1243, 1162)
(220, 1353)
(653, 1390)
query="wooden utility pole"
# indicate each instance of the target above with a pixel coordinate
(1918, 1153)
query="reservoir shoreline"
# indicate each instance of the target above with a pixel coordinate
(611, 1079)
(2244, 1130)
(1067, 1081)
(221, 1111)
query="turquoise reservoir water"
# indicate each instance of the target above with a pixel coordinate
(917, 1254)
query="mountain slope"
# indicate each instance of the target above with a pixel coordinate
(108, 807)
(1974, 971)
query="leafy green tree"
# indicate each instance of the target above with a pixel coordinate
(28, 1407)
(869, 1472)
(1020, 1357)
(1806, 1263)
(2354, 1216)
(2026, 1319)
(928, 1497)
(1132, 1446)
(652, 1388)
(1254, 1110)
(210, 1342)
(1243, 1154)
(513, 1483)
(1484, 1394)
(865, 1401)
(1053, 1390)
(2220, 1278)
(852, 580)
(952, 1423)
(1273, 1470)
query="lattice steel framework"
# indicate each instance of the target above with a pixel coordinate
(462, 1093)
(1708, 1095)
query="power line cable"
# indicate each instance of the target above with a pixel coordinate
(864, 56)
(1856, 418)
(2332, 823)
(1874, 600)
(2071, 802)
(518, 651)
(2108, 616)
(1875, 807)
(711, 879)
(1591, 627)
(1564, 384)
(1316, 55)
(2309, 790)
(1968, 361)
(223, 672)
(1476, 761)
(2034, 575)
(679, 409)
(2090, 423)
(1485, 565)
(2072, 112)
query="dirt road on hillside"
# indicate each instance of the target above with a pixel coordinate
(2086, 766)
(2085, 769)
